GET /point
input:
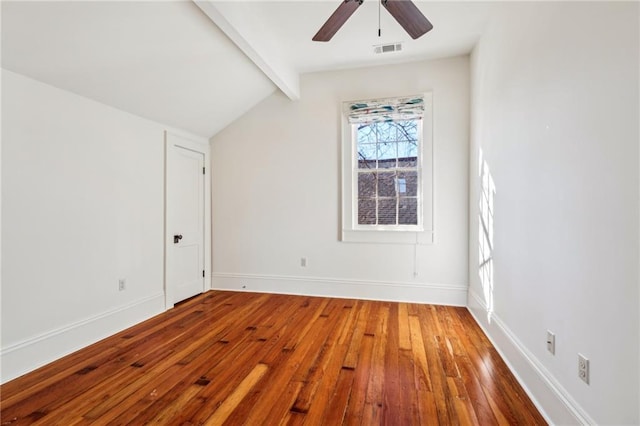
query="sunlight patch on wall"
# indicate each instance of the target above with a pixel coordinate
(485, 237)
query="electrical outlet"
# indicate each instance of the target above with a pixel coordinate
(303, 262)
(122, 284)
(551, 342)
(583, 368)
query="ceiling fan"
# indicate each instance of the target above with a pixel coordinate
(404, 11)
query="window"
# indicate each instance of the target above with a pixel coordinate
(387, 159)
(387, 170)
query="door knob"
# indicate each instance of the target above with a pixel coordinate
(176, 239)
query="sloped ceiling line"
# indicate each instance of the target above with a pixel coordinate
(280, 73)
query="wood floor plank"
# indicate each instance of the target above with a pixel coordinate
(393, 400)
(489, 368)
(404, 332)
(64, 371)
(408, 391)
(45, 376)
(351, 358)
(102, 402)
(238, 348)
(314, 375)
(198, 373)
(144, 387)
(374, 401)
(281, 331)
(250, 358)
(328, 370)
(294, 349)
(232, 401)
(426, 402)
(362, 374)
(336, 407)
(432, 333)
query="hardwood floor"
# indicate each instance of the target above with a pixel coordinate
(247, 358)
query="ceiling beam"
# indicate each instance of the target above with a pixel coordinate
(281, 73)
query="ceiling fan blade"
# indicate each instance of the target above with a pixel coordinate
(408, 16)
(337, 19)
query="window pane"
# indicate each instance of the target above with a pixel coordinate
(387, 212)
(386, 184)
(407, 130)
(385, 131)
(366, 212)
(387, 154)
(407, 154)
(410, 183)
(408, 211)
(367, 156)
(366, 134)
(366, 185)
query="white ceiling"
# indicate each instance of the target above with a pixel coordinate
(290, 25)
(172, 63)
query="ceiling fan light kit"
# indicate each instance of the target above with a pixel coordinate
(405, 12)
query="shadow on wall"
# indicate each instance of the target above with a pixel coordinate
(485, 234)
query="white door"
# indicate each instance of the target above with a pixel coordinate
(185, 220)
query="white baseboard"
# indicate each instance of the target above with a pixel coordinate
(549, 396)
(441, 294)
(27, 355)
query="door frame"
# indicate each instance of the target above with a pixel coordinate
(173, 138)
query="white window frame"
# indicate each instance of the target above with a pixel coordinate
(423, 233)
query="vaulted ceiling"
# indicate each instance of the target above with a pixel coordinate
(200, 65)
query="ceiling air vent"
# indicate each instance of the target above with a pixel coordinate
(387, 48)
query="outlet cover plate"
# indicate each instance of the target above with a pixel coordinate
(583, 368)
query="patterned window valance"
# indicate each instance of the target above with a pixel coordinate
(389, 109)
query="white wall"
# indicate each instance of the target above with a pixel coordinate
(276, 192)
(555, 111)
(82, 206)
